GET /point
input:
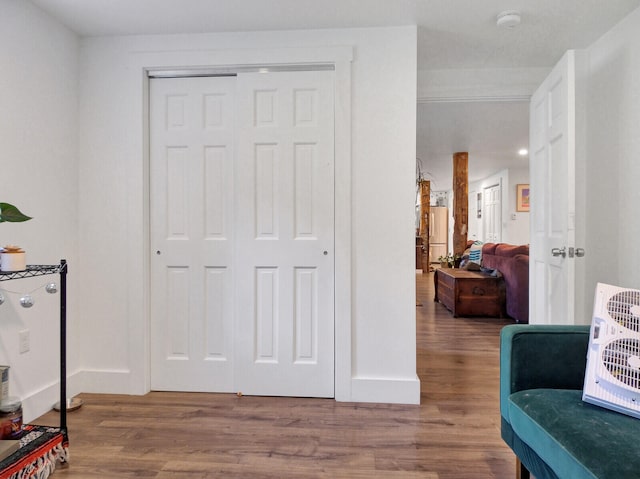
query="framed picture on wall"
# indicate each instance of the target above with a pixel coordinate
(522, 197)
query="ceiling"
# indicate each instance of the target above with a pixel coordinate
(446, 128)
(452, 34)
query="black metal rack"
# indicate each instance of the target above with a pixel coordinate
(40, 270)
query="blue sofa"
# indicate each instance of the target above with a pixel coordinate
(554, 434)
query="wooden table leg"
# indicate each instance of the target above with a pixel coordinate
(521, 471)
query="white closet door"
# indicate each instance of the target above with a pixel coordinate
(285, 234)
(192, 233)
(242, 201)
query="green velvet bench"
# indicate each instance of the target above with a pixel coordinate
(554, 434)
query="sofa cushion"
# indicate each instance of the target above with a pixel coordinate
(576, 439)
(489, 248)
(504, 249)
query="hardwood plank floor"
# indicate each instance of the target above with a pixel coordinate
(454, 433)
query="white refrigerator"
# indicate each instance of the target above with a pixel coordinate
(438, 232)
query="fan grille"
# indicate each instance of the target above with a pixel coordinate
(620, 307)
(616, 358)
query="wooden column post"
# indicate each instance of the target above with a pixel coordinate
(425, 210)
(460, 201)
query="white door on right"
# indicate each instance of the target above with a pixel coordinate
(552, 139)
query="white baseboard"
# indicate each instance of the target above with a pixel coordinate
(99, 381)
(372, 390)
(381, 390)
(40, 402)
(105, 381)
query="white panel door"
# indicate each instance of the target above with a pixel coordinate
(284, 238)
(192, 233)
(492, 214)
(552, 172)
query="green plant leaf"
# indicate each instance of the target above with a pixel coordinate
(11, 214)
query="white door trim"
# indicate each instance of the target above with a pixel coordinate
(341, 57)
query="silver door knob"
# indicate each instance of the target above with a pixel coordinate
(580, 252)
(559, 252)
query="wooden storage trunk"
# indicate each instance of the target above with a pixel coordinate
(470, 293)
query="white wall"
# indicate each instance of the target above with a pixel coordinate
(38, 171)
(612, 150)
(381, 315)
(514, 231)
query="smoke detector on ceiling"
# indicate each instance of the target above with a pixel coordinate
(508, 19)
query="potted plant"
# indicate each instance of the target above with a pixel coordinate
(450, 260)
(446, 260)
(10, 213)
(12, 257)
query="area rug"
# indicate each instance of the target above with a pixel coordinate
(41, 448)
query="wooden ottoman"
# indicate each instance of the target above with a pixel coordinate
(470, 293)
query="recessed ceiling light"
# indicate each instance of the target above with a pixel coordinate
(508, 19)
(523, 152)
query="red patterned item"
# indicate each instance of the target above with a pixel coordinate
(41, 448)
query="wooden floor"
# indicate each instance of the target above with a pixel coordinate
(454, 433)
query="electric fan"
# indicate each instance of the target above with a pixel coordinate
(612, 377)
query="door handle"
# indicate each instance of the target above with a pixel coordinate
(573, 252)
